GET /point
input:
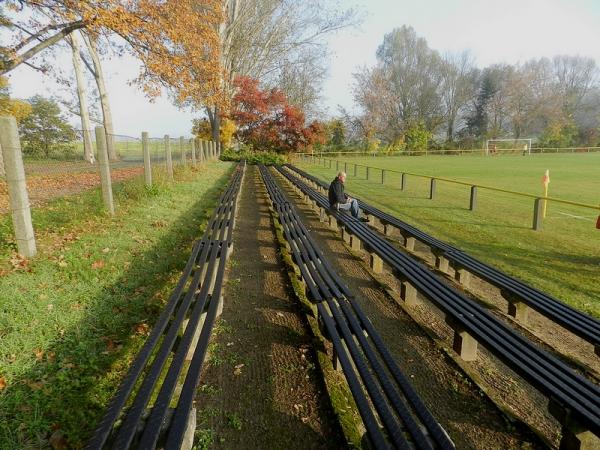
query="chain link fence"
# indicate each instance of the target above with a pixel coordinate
(67, 167)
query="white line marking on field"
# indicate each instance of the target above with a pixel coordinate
(577, 217)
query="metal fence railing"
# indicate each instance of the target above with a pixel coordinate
(379, 174)
(64, 169)
(459, 152)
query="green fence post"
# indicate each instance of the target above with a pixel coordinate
(432, 189)
(403, 183)
(367, 172)
(382, 176)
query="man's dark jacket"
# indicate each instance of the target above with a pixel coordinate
(336, 193)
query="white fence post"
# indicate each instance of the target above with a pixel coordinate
(193, 144)
(168, 159)
(2, 172)
(182, 149)
(104, 168)
(147, 163)
(10, 146)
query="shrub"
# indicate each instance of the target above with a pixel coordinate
(252, 157)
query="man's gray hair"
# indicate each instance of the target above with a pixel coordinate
(341, 174)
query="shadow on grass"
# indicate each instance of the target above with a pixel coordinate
(67, 393)
(59, 212)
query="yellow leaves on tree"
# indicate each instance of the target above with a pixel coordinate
(228, 128)
(201, 129)
(177, 41)
(178, 44)
(17, 108)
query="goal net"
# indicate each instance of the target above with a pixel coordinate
(508, 146)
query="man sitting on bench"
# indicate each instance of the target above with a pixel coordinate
(339, 200)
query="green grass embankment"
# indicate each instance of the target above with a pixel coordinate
(73, 318)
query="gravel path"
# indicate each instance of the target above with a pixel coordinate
(260, 387)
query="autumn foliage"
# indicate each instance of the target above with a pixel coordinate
(177, 41)
(267, 122)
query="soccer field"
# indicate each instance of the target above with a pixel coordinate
(562, 259)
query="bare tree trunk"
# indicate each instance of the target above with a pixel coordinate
(104, 103)
(88, 151)
(215, 123)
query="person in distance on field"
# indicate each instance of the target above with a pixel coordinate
(339, 200)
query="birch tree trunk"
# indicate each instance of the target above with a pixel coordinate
(104, 103)
(88, 151)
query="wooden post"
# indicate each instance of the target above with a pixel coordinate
(104, 168)
(473, 201)
(403, 182)
(537, 214)
(168, 159)
(432, 189)
(147, 163)
(367, 172)
(354, 169)
(337, 165)
(193, 144)
(182, 149)
(2, 172)
(10, 146)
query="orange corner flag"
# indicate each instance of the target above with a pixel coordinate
(546, 179)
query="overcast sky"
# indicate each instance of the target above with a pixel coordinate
(495, 31)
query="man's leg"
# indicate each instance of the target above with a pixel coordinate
(344, 206)
(354, 209)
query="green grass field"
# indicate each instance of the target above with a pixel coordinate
(563, 259)
(73, 318)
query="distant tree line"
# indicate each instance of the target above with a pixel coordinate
(415, 97)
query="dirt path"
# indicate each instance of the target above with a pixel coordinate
(470, 418)
(260, 388)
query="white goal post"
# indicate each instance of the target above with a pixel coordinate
(518, 146)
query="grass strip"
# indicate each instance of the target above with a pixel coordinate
(73, 318)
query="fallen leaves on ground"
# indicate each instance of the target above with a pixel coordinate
(44, 187)
(19, 262)
(2, 383)
(99, 264)
(142, 328)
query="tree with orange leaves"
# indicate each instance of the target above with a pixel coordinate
(176, 40)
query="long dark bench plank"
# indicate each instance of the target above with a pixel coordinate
(345, 322)
(574, 394)
(577, 322)
(198, 289)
